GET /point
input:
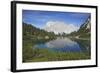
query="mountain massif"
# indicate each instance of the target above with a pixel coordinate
(84, 30)
(31, 32)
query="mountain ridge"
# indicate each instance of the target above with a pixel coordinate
(84, 30)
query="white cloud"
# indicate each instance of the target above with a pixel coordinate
(60, 27)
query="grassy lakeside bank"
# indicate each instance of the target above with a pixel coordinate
(43, 55)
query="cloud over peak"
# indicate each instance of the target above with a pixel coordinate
(59, 27)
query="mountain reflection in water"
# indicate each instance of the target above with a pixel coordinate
(65, 45)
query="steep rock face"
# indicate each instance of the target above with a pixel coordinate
(86, 27)
(84, 30)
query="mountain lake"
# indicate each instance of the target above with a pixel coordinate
(65, 45)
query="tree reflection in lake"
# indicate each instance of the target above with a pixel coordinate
(65, 45)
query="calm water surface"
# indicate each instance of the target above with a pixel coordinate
(65, 45)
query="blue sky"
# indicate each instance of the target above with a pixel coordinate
(40, 18)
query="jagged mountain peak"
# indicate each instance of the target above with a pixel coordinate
(86, 23)
(86, 26)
